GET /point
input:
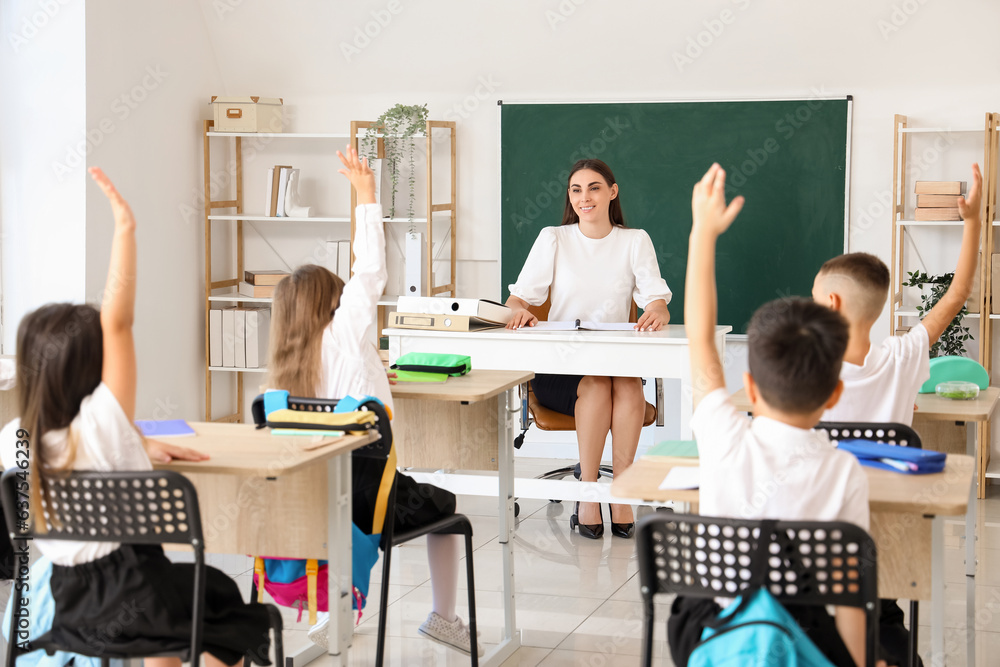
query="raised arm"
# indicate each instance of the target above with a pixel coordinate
(359, 302)
(949, 305)
(711, 218)
(118, 304)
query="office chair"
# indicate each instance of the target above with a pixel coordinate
(804, 563)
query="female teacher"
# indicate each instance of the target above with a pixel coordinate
(591, 268)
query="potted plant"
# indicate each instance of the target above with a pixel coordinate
(398, 125)
(932, 288)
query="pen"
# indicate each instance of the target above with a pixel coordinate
(899, 465)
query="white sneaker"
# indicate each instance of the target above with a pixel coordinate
(453, 635)
(317, 633)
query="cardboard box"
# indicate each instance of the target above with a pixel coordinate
(247, 114)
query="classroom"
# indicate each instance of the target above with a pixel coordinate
(824, 116)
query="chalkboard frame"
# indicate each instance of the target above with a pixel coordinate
(675, 283)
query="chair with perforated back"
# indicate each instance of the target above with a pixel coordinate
(546, 419)
(890, 433)
(378, 452)
(807, 563)
(133, 507)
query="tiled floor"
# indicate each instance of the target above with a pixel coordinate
(578, 599)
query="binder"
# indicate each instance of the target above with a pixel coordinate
(484, 309)
(432, 322)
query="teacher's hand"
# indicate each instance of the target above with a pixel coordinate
(654, 317)
(521, 317)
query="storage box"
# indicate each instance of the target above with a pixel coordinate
(247, 114)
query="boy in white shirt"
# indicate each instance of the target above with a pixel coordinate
(775, 467)
(881, 383)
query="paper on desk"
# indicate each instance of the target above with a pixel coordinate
(681, 477)
(582, 326)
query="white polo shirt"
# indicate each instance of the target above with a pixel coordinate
(884, 388)
(766, 469)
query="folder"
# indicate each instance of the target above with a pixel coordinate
(431, 322)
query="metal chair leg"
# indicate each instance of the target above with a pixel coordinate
(471, 583)
(383, 605)
(911, 659)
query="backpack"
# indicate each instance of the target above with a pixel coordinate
(301, 583)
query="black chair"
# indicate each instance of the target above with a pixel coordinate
(134, 507)
(377, 452)
(890, 433)
(805, 563)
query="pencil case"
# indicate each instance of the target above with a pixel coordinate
(434, 362)
(907, 460)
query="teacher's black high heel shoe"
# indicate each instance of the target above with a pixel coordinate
(625, 530)
(594, 531)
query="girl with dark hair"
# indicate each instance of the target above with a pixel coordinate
(76, 379)
(592, 268)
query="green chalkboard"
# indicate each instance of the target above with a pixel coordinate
(789, 158)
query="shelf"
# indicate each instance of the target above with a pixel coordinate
(913, 313)
(306, 135)
(236, 296)
(930, 223)
(392, 299)
(919, 130)
(274, 218)
(993, 469)
(237, 370)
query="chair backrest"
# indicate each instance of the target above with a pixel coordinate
(889, 433)
(807, 562)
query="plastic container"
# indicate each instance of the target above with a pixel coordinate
(958, 390)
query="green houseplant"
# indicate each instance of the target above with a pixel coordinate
(398, 125)
(952, 341)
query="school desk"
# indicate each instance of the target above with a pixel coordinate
(466, 423)
(910, 547)
(659, 354)
(264, 495)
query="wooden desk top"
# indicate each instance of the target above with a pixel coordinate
(477, 386)
(929, 406)
(242, 449)
(945, 493)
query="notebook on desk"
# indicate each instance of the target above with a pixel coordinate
(582, 325)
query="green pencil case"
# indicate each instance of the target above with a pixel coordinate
(434, 362)
(948, 369)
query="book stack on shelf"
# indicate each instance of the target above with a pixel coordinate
(260, 284)
(237, 337)
(938, 200)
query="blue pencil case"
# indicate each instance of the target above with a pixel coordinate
(907, 460)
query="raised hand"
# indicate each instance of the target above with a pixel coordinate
(708, 203)
(970, 205)
(359, 174)
(119, 207)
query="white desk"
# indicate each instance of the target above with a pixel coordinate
(660, 354)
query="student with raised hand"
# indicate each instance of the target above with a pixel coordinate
(881, 382)
(592, 268)
(76, 378)
(795, 350)
(322, 345)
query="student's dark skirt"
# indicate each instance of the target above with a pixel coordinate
(135, 601)
(557, 392)
(418, 504)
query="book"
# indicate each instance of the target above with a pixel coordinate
(229, 337)
(344, 260)
(164, 428)
(939, 187)
(258, 278)
(269, 195)
(938, 201)
(272, 209)
(282, 190)
(581, 325)
(239, 337)
(256, 291)
(215, 337)
(257, 334)
(936, 214)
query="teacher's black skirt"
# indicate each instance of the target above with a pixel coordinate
(557, 392)
(135, 601)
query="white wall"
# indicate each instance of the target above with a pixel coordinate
(935, 62)
(42, 128)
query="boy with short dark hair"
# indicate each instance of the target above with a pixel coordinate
(881, 383)
(775, 467)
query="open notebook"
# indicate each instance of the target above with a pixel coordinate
(582, 325)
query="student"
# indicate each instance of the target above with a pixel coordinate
(76, 376)
(776, 466)
(592, 268)
(322, 346)
(881, 383)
